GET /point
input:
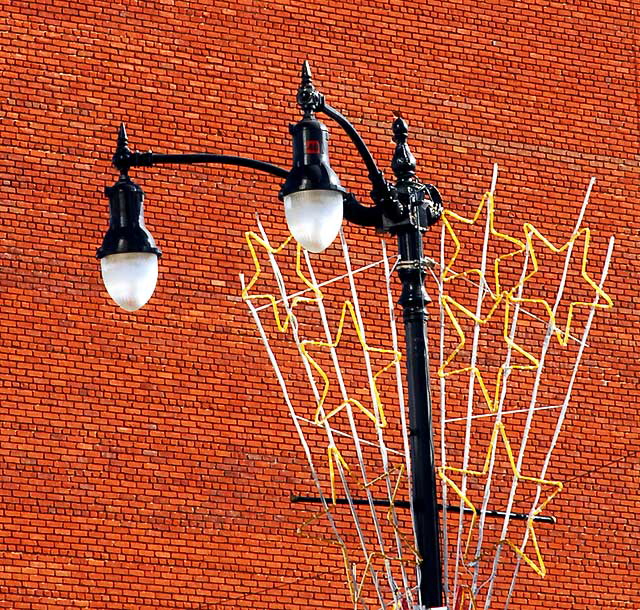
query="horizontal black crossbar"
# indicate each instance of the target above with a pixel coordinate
(405, 504)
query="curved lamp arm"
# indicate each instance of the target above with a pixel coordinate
(383, 193)
(393, 204)
(149, 159)
(124, 158)
(376, 177)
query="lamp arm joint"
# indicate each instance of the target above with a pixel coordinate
(362, 215)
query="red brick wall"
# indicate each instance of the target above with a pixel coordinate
(146, 459)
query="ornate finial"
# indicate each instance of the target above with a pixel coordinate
(308, 98)
(122, 136)
(306, 73)
(400, 129)
(122, 156)
(403, 163)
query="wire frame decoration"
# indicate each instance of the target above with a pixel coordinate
(504, 320)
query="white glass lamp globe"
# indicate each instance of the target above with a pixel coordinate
(130, 278)
(314, 217)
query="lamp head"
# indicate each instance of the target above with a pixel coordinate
(312, 193)
(128, 255)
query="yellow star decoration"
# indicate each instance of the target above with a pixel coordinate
(356, 587)
(302, 530)
(563, 334)
(507, 297)
(391, 509)
(377, 414)
(500, 298)
(499, 431)
(282, 323)
(505, 300)
(487, 202)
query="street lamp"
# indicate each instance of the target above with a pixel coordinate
(312, 194)
(128, 255)
(315, 203)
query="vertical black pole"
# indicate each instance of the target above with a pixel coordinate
(425, 505)
(406, 211)
(414, 299)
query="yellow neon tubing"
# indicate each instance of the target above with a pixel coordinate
(332, 542)
(488, 201)
(281, 324)
(449, 304)
(391, 521)
(499, 429)
(459, 603)
(355, 588)
(334, 455)
(379, 420)
(523, 247)
(563, 334)
(400, 469)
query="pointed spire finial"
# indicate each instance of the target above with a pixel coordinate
(122, 155)
(309, 99)
(122, 135)
(306, 73)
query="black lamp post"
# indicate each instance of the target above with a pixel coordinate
(315, 203)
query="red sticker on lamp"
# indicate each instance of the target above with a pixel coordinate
(313, 147)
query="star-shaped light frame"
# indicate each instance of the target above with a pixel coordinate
(282, 322)
(356, 588)
(376, 415)
(488, 202)
(499, 297)
(500, 432)
(563, 334)
(506, 299)
(400, 468)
